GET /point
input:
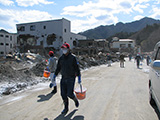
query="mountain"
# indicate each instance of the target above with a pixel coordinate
(147, 37)
(103, 32)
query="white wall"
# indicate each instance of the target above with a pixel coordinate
(126, 43)
(7, 43)
(61, 27)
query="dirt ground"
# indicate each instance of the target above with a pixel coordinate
(113, 93)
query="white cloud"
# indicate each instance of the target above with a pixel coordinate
(140, 7)
(138, 17)
(27, 3)
(6, 2)
(104, 12)
(15, 17)
(91, 22)
(156, 12)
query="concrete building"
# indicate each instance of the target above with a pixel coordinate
(8, 42)
(46, 34)
(122, 45)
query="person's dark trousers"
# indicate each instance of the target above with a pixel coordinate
(138, 62)
(67, 89)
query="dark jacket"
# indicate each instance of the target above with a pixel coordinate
(109, 57)
(68, 66)
(121, 57)
(138, 58)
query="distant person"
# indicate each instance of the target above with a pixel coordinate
(138, 59)
(109, 59)
(130, 57)
(69, 68)
(148, 60)
(52, 67)
(122, 60)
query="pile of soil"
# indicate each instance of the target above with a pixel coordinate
(17, 75)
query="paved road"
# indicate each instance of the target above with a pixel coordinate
(113, 93)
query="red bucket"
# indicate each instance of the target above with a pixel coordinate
(46, 73)
(80, 92)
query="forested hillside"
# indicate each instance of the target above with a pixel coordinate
(104, 32)
(147, 37)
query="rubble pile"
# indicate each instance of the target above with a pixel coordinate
(18, 73)
(27, 70)
(38, 69)
(86, 61)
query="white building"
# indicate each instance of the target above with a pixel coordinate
(123, 43)
(8, 42)
(52, 33)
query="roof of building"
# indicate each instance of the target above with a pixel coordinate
(100, 40)
(3, 31)
(125, 40)
(43, 21)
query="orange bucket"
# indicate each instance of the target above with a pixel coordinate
(80, 93)
(46, 73)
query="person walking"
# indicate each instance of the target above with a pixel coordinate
(130, 57)
(69, 68)
(121, 58)
(109, 59)
(138, 59)
(52, 67)
(148, 60)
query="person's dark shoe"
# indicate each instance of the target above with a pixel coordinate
(64, 111)
(54, 90)
(51, 85)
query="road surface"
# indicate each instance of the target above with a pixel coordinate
(113, 93)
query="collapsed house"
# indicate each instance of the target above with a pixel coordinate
(45, 34)
(90, 46)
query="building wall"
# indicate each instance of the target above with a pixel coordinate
(42, 30)
(125, 44)
(61, 28)
(8, 43)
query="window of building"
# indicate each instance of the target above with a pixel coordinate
(129, 45)
(7, 44)
(44, 27)
(70, 38)
(32, 28)
(10, 45)
(122, 45)
(2, 53)
(1, 35)
(7, 36)
(1, 43)
(41, 43)
(22, 28)
(10, 38)
(65, 30)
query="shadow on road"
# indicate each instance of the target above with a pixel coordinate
(68, 117)
(45, 97)
(156, 110)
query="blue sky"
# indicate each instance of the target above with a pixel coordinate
(83, 14)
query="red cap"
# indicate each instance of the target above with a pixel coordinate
(65, 45)
(51, 52)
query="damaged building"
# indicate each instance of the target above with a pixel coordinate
(45, 34)
(90, 46)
